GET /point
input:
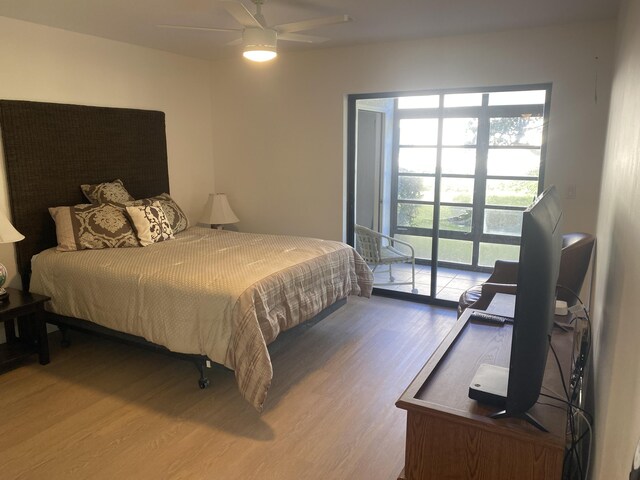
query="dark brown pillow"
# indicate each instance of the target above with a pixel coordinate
(84, 227)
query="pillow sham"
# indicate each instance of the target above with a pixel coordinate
(112, 192)
(150, 223)
(83, 227)
(176, 217)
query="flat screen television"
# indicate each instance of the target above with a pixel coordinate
(539, 265)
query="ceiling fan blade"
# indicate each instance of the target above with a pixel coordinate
(311, 24)
(296, 37)
(243, 16)
(206, 29)
(233, 43)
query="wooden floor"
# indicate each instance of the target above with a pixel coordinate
(102, 410)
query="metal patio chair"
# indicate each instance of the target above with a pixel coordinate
(378, 249)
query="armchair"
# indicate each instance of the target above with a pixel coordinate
(574, 263)
(377, 249)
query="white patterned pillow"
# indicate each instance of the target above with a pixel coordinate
(113, 192)
(84, 227)
(150, 223)
(176, 217)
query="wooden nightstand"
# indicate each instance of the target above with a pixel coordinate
(28, 310)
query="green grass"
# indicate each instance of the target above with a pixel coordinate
(460, 251)
(490, 252)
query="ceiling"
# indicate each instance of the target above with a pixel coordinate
(134, 21)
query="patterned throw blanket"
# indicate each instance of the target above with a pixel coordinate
(217, 293)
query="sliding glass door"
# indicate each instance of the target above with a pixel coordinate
(461, 168)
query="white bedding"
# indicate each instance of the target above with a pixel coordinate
(222, 294)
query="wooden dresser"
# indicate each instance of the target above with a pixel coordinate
(450, 436)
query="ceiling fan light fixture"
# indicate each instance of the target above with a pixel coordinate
(259, 55)
(259, 44)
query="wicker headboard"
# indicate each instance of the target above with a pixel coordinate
(51, 149)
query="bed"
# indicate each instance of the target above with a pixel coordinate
(207, 295)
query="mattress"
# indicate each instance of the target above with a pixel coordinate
(218, 293)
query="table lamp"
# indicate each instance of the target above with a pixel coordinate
(217, 211)
(8, 234)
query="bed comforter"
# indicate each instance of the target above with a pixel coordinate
(217, 293)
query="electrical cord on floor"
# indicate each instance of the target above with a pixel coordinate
(572, 426)
(577, 442)
(586, 473)
(578, 367)
(572, 450)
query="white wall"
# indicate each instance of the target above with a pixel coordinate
(279, 128)
(616, 319)
(45, 64)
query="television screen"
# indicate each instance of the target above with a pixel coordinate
(539, 265)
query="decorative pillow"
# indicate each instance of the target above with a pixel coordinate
(113, 192)
(150, 222)
(92, 226)
(176, 217)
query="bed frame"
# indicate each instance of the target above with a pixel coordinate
(51, 149)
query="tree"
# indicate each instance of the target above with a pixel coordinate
(409, 188)
(512, 130)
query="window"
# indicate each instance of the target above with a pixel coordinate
(466, 164)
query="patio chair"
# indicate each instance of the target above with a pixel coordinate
(378, 249)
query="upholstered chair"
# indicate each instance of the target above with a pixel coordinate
(574, 263)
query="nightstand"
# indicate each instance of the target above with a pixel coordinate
(28, 310)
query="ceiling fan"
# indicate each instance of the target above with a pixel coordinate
(258, 38)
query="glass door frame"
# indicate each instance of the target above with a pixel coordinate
(483, 115)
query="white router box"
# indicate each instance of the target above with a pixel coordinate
(561, 308)
(489, 384)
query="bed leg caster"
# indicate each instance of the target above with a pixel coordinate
(203, 381)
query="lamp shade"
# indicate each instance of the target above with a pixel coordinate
(8, 234)
(217, 210)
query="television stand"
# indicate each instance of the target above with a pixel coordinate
(450, 435)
